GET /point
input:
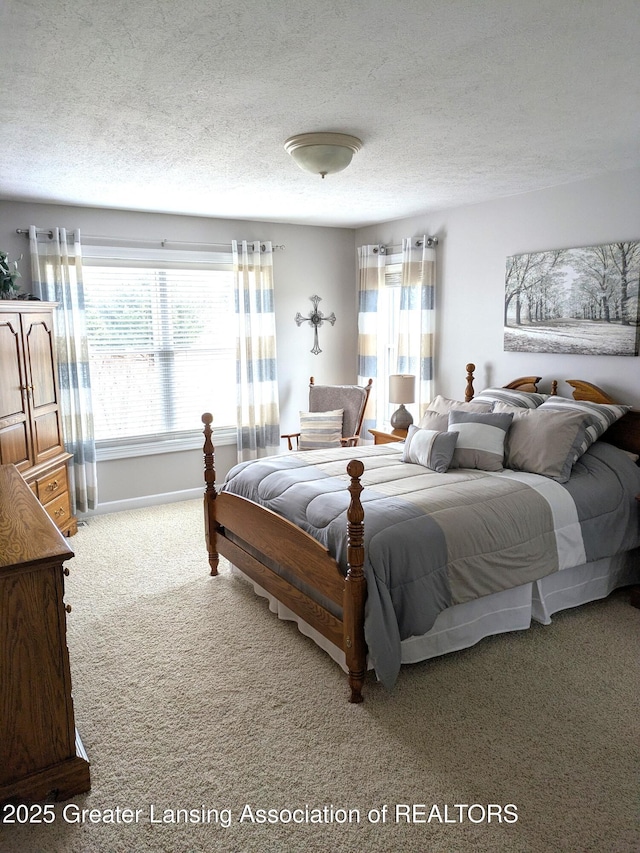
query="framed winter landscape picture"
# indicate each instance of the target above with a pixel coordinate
(582, 301)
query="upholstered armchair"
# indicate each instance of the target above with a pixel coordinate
(334, 418)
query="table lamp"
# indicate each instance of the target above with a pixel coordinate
(401, 390)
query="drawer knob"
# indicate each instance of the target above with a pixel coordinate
(66, 572)
(53, 486)
(59, 512)
(68, 608)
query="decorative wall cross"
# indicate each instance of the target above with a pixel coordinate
(316, 318)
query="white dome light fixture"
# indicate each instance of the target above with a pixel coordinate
(322, 153)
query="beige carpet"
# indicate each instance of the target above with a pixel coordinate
(190, 694)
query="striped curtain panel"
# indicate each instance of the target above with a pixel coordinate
(256, 372)
(56, 272)
(371, 339)
(416, 321)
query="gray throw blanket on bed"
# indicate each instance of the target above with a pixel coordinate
(435, 540)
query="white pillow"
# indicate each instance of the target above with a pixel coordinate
(444, 405)
(320, 429)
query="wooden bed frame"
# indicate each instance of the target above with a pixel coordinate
(257, 541)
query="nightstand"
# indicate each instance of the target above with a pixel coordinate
(388, 436)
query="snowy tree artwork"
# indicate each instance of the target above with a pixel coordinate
(582, 301)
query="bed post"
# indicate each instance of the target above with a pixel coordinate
(210, 493)
(355, 587)
(468, 391)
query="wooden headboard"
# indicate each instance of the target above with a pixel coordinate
(625, 433)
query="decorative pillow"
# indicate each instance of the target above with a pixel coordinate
(516, 399)
(444, 405)
(481, 439)
(430, 448)
(546, 442)
(434, 420)
(603, 415)
(320, 429)
(509, 407)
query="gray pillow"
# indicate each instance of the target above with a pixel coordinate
(602, 415)
(546, 442)
(429, 448)
(481, 439)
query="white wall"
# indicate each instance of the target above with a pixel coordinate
(474, 242)
(314, 261)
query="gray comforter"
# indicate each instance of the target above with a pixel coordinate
(435, 540)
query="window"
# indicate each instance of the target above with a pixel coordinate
(406, 303)
(389, 332)
(162, 348)
(396, 318)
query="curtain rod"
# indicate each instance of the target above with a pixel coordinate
(164, 242)
(429, 242)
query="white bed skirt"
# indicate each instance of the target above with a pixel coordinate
(464, 625)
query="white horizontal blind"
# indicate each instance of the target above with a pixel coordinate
(393, 271)
(161, 348)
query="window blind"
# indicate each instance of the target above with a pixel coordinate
(161, 346)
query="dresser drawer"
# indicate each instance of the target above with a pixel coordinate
(59, 508)
(52, 484)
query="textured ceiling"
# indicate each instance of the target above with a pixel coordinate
(184, 107)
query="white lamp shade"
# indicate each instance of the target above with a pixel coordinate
(402, 388)
(322, 153)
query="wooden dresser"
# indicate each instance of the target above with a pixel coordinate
(30, 417)
(41, 754)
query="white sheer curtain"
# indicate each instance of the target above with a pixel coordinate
(416, 321)
(371, 336)
(396, 321)
(257, 381)
(56, 272)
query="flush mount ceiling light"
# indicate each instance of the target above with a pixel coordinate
(322, 153)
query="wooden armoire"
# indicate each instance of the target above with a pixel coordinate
(30, 417)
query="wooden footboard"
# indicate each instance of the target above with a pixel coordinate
(291, 565)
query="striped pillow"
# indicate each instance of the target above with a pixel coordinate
(511, 397)
(481, 439)
(429, 448)
(600, 415)
(320, 429)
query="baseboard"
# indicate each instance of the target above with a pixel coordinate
(145, 500)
